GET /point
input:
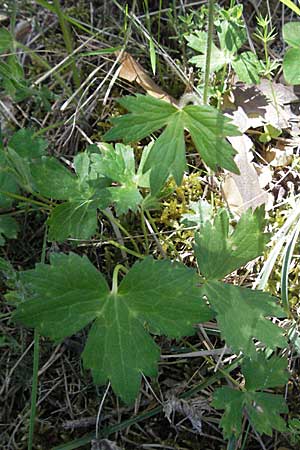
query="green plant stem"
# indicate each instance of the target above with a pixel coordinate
(67, 40)
(25, 199)
(127, 250)
(35, 370)
(117, 269)
(208, 49)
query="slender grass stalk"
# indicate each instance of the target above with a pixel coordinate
(35, 369)
(211, 4)
(68, 40)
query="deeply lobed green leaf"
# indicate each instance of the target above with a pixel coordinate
(162, 295)
(207, 126)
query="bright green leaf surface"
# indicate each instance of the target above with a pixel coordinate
(8, 228)
(219, 253)
(291, 66)
(241, 315)
(247, 67)
(198, 42)
(291, 34)
(166, 157)
(158, 293)
(118, 165)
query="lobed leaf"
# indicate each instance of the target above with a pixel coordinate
(263, 409)
(208, 128)
(241, 315)
(158, 294)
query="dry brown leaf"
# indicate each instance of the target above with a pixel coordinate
(243, 191)
(132, 71)
(259, 104)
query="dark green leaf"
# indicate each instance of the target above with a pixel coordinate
(159, 294)
(207, 126)
(219, 253)
(241, 315)
(247, 67)
(263, 373)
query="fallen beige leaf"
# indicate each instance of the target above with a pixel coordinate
(132, 71)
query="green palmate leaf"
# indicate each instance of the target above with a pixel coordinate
(118, 165)
(8, 228)
(77, 217)
(241, 315)
(156, 294)
(262, 409)
(208, 129)
(219, 253)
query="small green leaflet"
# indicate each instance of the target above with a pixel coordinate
(220, 253)
(231, 37)
(77, 216)
(70, 293)
(291, 35)
(207, 126)
(8, 228)
(118, 165)
(241, 316)
(263, 409)
(201, 212)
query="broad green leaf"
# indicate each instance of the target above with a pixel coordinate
(6, 40)
(247, 67)
(263, 373)
(241, 316)
(291, 34)
(220, 253)
(158, 295)
(291, 69)
(118, 164)
(208, 129)
(263, 409)
(77, 217)
(8, 228)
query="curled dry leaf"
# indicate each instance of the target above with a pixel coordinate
(243, 191)
(132, 71)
